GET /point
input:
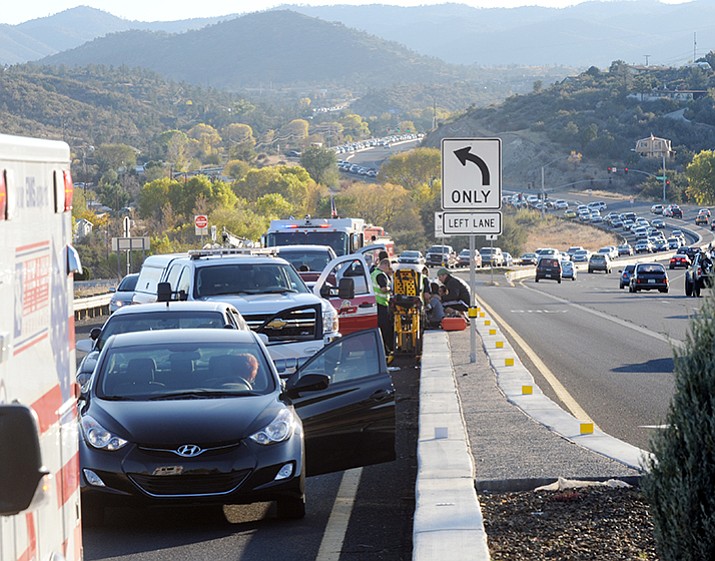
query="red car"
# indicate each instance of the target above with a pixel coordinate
(679, 260)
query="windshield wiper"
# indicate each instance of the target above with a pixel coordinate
(201, 394)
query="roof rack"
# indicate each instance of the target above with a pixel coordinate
(232, 251)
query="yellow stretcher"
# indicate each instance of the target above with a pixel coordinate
(408, 311)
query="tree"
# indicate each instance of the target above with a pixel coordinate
(174, 146)
(701, 177)
(153, 197)
(291, 182)
(294, 133)
(355, 127)
(321, 164)
(208, 142)
(682, 469)
(115, 156)
(240, 141)
(411, 169)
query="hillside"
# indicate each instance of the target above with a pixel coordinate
(276, 49)
(600, 115)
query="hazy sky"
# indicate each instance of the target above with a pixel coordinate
(161, 10)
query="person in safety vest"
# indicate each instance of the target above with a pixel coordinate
(382, 286)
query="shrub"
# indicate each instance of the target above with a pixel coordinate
(681, 481)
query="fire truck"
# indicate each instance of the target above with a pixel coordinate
(39, 458)
(344, 235)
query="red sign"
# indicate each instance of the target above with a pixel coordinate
(201, 221)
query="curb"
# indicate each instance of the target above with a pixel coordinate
(448, 521)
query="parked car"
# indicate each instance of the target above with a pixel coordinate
(649, 276)
(568, 270)
(441, 256)
(599, 262)
(581, 256)
(643, 246)
(626, 274)
(463, 258)
(548, 268)
(197, 416)
(625, 249)
(492, 256)
(124, 293)
(412, 256)
(155, 317)
(679, 260)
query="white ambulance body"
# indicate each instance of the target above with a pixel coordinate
(39, 459)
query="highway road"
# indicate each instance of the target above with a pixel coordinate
(610, 349)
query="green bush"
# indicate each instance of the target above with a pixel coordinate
(681, 483)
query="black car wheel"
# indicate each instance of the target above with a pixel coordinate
(290, 509)
(688, 286)
(537, 279)
(696, 289)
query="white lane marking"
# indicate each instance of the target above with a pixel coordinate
(562, 393)
(623, 323)
(653, 426)
(332, 543)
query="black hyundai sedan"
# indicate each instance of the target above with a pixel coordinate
(198, 416)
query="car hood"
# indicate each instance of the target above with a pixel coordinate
(264, 304)
(181, 421)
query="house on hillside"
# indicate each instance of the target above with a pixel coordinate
(82, 229)
(654, 147)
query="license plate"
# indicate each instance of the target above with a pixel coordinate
(651, 281)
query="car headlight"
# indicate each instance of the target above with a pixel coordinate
(279, 429)
(99, 437)
(331, 323)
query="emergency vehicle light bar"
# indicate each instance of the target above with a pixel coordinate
(223, 251)
(307, 225)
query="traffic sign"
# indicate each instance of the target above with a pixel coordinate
(471, 223)
(201, 224)
(438, 231)
(471, 173)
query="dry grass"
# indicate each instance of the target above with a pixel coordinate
(562, 235)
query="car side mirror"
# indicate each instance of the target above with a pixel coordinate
(163, 292)
(325, 291)
(312, 382)
(346, 289)
(21, 470)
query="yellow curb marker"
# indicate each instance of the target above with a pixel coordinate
(586, 428)
(492, 332)
(527, 390)
(508, 362)
(500, 344)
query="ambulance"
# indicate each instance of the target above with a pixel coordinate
(39, 459)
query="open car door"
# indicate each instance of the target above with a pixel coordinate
(346, 283)
(351, 423)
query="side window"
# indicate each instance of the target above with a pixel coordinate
(173, 276)
(184, 280)
(351, 358)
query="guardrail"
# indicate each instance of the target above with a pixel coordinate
(93, 306)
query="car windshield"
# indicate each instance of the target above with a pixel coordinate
(128, 284)
(306, 259)
(153, 321)
(183, 371)
(247, 278)
(410, 254)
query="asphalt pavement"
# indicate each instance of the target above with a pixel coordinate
(485, 426)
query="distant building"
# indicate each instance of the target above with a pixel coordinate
(654, 147)
(82, 229)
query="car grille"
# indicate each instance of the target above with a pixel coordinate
(190, 485)
(295, 324)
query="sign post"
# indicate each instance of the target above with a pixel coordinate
(472, 184)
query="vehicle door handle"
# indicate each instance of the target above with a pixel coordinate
(381, 395)
(366, 305)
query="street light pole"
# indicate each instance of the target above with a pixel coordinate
(663, 176)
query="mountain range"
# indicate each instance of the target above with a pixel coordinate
(591, 33)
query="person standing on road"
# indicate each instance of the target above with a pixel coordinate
(382, 286)
(458, 296)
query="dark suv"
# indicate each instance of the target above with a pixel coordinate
(548, 268)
